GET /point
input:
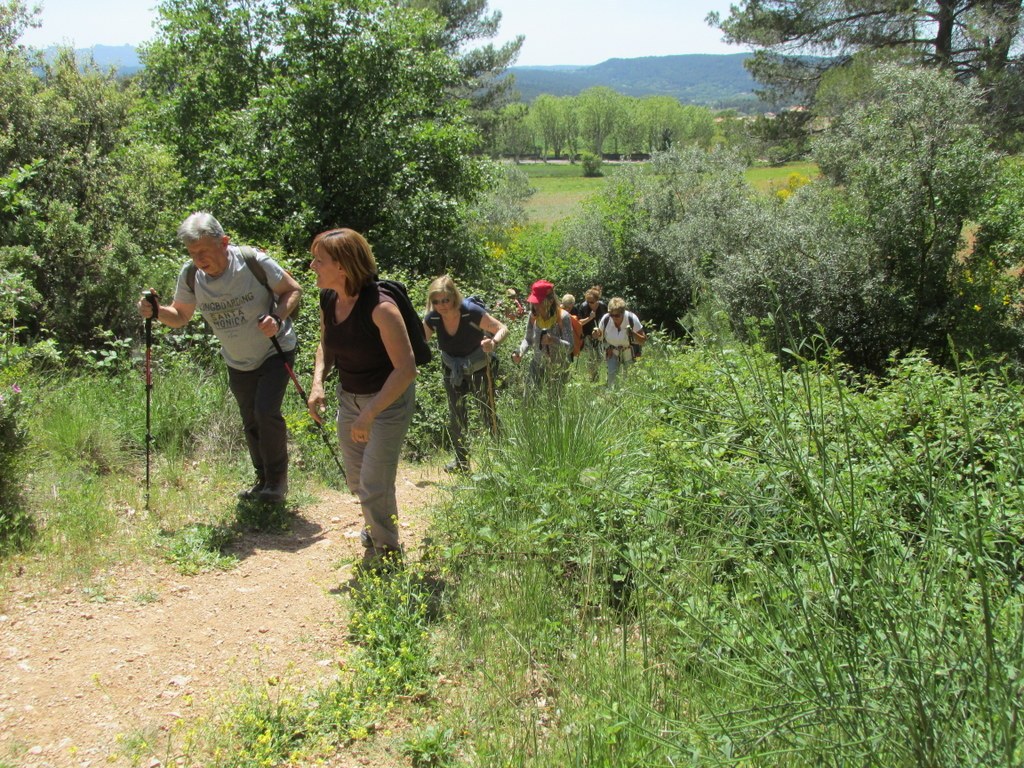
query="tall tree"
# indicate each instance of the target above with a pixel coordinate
(465, 22)
(600, 109)
(548, 119)
(344, 119)
(798, 40)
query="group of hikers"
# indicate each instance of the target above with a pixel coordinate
(250, 302)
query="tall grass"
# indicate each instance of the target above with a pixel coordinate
(85, 461)
(732, 561)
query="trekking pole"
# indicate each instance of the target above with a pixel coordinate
(490, 399)
(490, 382)
(305, 400)
(151, 297)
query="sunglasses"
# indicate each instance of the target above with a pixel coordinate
(444, 300)
(615, 314)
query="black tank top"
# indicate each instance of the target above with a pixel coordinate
(354, 345)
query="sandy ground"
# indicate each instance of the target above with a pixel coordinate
(78, 677)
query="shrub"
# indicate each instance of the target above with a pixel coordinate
(591, 164)
(15, 523)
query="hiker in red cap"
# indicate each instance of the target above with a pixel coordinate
(549, 335)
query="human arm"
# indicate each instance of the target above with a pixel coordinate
(388, 319)
(525, 343)
(496, 329)
(321, 367)
(176, 315)
(287, 295)
(637, 330)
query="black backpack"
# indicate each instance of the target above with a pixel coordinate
(413, 323)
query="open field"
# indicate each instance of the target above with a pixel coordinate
(561, 187)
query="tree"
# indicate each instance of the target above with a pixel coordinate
(667, 123)
(515, 137)
(345, 119)
(797, 41)
(549, 121)
(914, 165)
(600, 109)
(466, 21)
(83, 196)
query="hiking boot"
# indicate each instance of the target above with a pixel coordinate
(251, 494)
(456, 466)
(274, 491)
(365, 540)
(382, 559)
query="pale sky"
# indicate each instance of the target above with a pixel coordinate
(557, 31)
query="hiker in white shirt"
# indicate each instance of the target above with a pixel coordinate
(621, 331)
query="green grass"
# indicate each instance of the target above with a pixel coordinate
(746, 563)
(770, 179)
(561, 188)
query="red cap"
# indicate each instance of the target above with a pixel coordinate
(540, 291)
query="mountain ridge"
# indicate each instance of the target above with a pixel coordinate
(707, 79)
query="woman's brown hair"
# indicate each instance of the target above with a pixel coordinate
(350, 250)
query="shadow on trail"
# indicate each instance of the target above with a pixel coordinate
(261, 526)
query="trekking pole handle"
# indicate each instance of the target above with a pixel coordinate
(154, 301)
(280, 353)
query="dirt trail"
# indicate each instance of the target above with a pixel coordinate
(78, 675)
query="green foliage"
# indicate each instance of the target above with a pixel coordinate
(807, 267)
(503, 208)
(83, 199)
(1000, 235)
(250, 95)
(200, 547)
(390, 624)
(749, 563)
(591, 165)
(431, 747)
(15, 523)
(988, 280)
(657, 233)
(913, 165)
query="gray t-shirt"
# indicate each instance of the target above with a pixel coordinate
(232, 303)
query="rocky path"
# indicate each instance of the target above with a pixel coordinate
(78, 676)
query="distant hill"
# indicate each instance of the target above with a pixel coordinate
(698, 78)
(717, 80)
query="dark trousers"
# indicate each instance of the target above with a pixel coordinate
(259, 394)
(474, 385)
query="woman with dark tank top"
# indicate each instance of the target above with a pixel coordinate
(467, 335)
(363, 336)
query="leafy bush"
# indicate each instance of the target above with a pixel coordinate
(764, 564)
(15, 523)
(657, 233)
(913, 164)
(591, 164)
